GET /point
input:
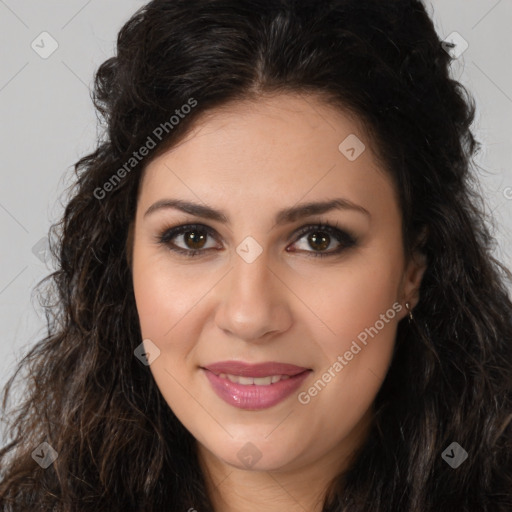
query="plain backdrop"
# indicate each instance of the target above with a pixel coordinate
(48, 123)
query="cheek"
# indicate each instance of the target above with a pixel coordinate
(361, 310)
(353, 297)
(358, 305)
(165, 301)
(165, 293)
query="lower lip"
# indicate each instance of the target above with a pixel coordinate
(254, 397)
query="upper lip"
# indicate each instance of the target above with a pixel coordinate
(255, 370)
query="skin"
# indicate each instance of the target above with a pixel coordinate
(252, 159)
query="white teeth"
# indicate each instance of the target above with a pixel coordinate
(258, 381)
(262, 381)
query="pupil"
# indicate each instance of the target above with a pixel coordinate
(319, 242)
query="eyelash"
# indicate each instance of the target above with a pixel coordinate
(346, 239)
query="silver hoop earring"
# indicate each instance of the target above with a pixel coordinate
(408, 307)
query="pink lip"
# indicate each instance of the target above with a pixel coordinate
(253, 397)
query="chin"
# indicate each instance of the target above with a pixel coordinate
(257, 454)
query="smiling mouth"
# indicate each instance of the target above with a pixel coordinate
(254, 387)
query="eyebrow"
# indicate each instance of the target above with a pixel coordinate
(285, 216)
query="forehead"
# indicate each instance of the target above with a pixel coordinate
(281, 149)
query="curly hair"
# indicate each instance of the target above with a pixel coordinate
(119, 445)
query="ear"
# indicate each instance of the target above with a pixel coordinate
(413, 275)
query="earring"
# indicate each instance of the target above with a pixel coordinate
(407, 306)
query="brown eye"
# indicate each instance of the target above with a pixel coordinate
(190, 239)
(321, 237)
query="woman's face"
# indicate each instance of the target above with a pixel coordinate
(266, 286)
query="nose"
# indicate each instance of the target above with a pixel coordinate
(253, 301)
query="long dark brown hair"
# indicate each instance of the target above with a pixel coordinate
(119, 445)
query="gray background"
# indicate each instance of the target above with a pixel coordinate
(48, 123)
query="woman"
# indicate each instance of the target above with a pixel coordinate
(276, 290)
